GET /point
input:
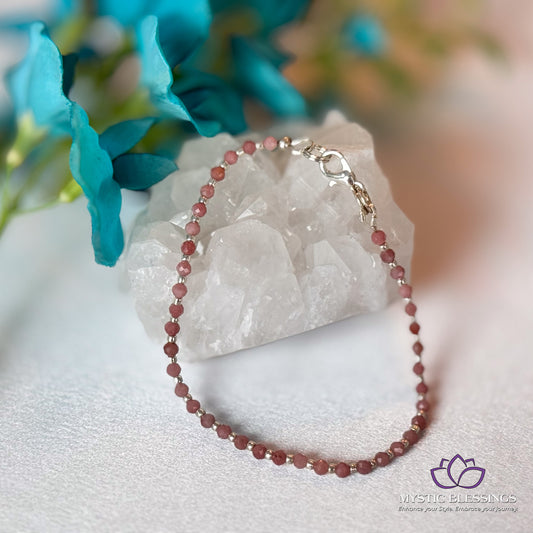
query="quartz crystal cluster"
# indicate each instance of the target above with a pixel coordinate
(281, 251)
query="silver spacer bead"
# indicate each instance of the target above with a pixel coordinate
(353, 468)
(405, 443)
(285, 143)
(289, 459)
(231, 436)
(373, 463)
(171, 339)
(215, 425)
(187, 397)
(239, 152)
(250, 445)
(179, 379)
(310, 464)
(259, 146)
(268, 454)
(200, 412)
(331, 468)
(224, 165)
(415, 428)
(390, 454)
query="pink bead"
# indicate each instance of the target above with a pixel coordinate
(188, 247)
(207, 420)
(411, 437)
(378, 237)
(397, 448)
(419, 421)
(179, 290)
(279, 457)
(218, 173)
(410, 309)
(223, 431)
(321, 467)
(422, 405)
(207, 191)
(342, 470)
(382, 459)
(184, 268)
(421, 388)
(231, 157)
(259, 451)
(414, 328)
(387, 256)
(192, 228)
(363, 467)
(397, 272)
(173, 370)
(171, 349)
(199, 209)
(172, 328)
(405, 290)
(299, 460)
(418, 348)
(181, 390)
(175, 310)
(240, 442)
(249, 147)
(193, 406)
(270, 143)
(418, 369)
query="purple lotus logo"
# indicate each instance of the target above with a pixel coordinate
(458, 473)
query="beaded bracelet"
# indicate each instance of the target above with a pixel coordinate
(326, 159)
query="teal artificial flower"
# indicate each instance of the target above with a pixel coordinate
(38, 86)
(365, 34)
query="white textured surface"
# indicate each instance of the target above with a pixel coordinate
(92, 437)
(280, 251)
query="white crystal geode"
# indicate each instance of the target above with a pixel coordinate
(281, 249)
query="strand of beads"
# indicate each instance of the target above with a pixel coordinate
(224, 431)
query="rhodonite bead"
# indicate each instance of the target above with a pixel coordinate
(414, 328)
(378, 237)
(249, 147)
(387, 256)
(240, 442)
(199, 209)
(342, 470)
(173, 370)
(279, 457)
(411, 436)
(175, 310)
(184, 268)
(259, 451)
(419, 421)
(207, 420)
(410, 309)
(207, 191)
(397, 448)
(188, 247)
(181, 390)
(171, 349)
(179, 290)
(231, 157)
(422, 405)
(417, 348)
(421, 388)
(223, 431)
(192, 228)
(405, 290)
(218, 173)
(382, 459)
(397, 272)
(172, 328)
(270, 143)
(418, 369)
(321, 467)
(363, 467)
(193, 406)
(299, 460)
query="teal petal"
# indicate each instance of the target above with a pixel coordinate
(121, 137)
(365, 34)
(36, 83)
(91, 167)
(156, 76)
(208, 97)
(259, 76)
(138, 172)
